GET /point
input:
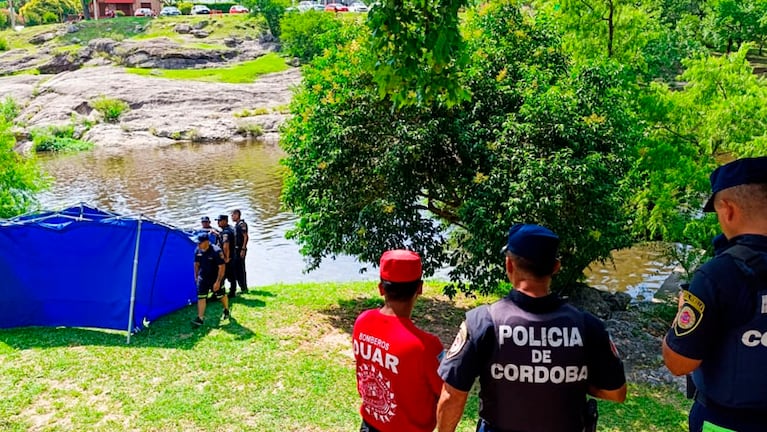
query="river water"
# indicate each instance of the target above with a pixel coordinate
(179, 184)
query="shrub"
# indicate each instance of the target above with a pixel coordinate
(50, 17)
(119, 13)
(185, 7)
(5, 19)
(109, 108)
(8, 110)
(57, 139)
(3, 45)
(250, 129)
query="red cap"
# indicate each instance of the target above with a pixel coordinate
(400, 266)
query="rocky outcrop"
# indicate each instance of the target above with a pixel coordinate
(163, 53)
(60, 63)
(162, 111)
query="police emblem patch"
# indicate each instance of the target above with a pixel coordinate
(459, 342)
(689, 315)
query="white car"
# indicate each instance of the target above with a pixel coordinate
(304, 6)
(200, 10)
(358, 7)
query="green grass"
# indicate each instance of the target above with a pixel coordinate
(283, 363)
(245, 72)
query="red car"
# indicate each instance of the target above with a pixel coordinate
(336, 7)
(236, 9)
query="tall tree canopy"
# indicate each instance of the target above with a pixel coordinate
(541, 141)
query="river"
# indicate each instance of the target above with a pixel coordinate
(179, 184)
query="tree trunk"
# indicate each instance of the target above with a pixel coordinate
(610, 29)
(86, 10)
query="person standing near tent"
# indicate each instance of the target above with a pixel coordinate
(209, 271)
(240, 250)
(396, 361)
(213, 234)
(227, 246)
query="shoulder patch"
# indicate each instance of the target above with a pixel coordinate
(459, 342)
(689, 315)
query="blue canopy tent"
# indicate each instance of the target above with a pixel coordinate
(84, 267)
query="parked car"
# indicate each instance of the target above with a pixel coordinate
(170, 11)
(304, 6)
(319, 7)
(237, 9)
(200, 10)
(336, 7)
(358, 7)
(143, 12)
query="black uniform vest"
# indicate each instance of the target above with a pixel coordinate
(229, 233)
(536, 377)
(734, 376)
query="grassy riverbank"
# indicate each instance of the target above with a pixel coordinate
(283, 363)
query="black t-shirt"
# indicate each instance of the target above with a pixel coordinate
(209, 261)
(227, 239)
(240, 229)
(473, 346)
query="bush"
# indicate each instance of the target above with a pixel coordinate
(109, 108)
(50, 18)
(4, 45)
(57, 139)
(119, 13)
(20, 177)
(5, 19)
(8, 110)
(223, 7)
(306, 35)
(185, 7)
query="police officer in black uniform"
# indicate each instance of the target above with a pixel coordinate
(720, 330)
(536, 356)
(208, 272)
(227, 246)
(241, 238)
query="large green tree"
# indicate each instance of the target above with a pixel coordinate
(540, 141)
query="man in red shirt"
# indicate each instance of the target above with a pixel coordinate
(396, 361)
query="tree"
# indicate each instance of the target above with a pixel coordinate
(37, 11)
(19, 176)
(272, 10)
(541, 141)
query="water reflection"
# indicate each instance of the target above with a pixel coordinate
(181, 183)
(639, 271)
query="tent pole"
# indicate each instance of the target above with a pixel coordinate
(133, 281)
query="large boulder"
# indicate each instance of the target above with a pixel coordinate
(42, 38)
(103, 45)
(163, 53)
(60, 63)
(182, 28)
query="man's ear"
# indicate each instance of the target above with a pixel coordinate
(419, 291)
(381, 288)
(557, 267)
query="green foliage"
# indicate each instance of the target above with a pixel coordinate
(307, 35)
(119, 14)
(540, 142)
(419, 51)
(5, 19)
(272, 11)
(20, 176)
(185, 7)
(110, 109)
(57, 139)
(223, 7)
(245, 72)
(250, 129)
(731, 23)
(8, 110)
(49, 11)
(4, 46)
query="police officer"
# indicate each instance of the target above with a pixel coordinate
(206, 228)
(536, 356)
(226, 243)
(720, 331)
(240, 250)
(208, 272)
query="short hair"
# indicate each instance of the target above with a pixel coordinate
(236, 211)
(536, 269)
(400, 291)
(752, 198)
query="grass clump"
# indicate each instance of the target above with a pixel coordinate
(109, 108)
(251, 113)
(250, 129)
(57, 139)
(285, 358)
(245, 72)
(4, 45)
